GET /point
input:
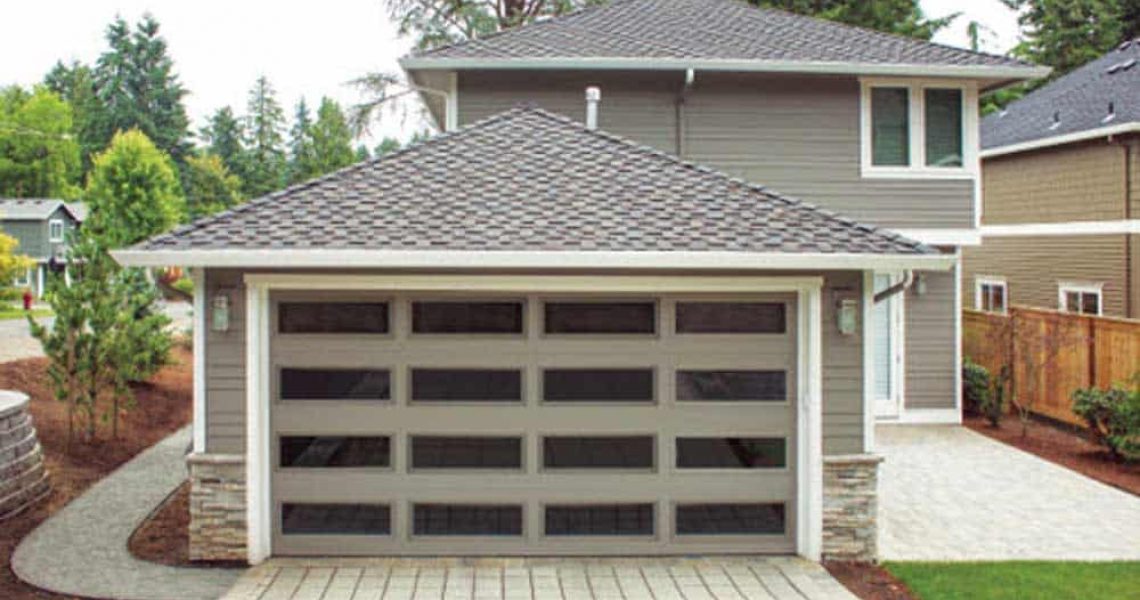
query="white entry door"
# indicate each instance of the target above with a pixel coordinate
(886, 326)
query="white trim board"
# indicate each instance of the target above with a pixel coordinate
(1117, 227)
(944, 237)
(1059, 140)
(198, 276)
(926, 416)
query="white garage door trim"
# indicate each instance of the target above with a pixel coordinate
(809, 533)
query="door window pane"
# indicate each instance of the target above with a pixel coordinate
(466, 519)
(601, 317)
(340, 519)
(334, 451)
(332, 317)
(713, 386)
(731, 317)
(943, 128)
(335, 384)
(440, 452)
(728, 519)
(466, 385)
(890, 127)
(597, 385)
(731, 453)
(467, 317)
(600, 519)
(611, 452)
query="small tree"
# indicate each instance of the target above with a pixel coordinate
(133, 191)
(11, 264)
(1036, 352)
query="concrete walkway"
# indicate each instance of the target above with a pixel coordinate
(709, 578)
(82, 549)
(948, 493)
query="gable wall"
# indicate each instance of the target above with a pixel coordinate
(32, 236)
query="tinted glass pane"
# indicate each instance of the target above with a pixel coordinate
(635, 452)
(332, 317)
(769, 386)
(335, 384)
(943, 128)
(597, 385)
(1090, 304)
(890, 127)
(1072, 301)
(331, 451)
(466, 385)
(600, 519)
(467, 317)
(437, 452)
(467, 519)
(343, 519)
(731, 317)
(730, 453)
(721, 519)
(612, 317)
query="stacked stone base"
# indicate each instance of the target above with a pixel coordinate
(217, 507)
(23, 479)
(851, 507)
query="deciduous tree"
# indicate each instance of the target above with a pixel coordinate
(903, 17)
(39, 157)
(133, 191)
(210, 187)
(75, 83)
(11, 263)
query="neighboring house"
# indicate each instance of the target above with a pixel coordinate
(42, 227)
(530, 336)
(1061, 180)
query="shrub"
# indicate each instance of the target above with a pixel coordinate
(1113, 417)
(975, 386)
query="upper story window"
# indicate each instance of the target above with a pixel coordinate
(55, 231)
(1084, 298)
(991, 295)
(919, 129)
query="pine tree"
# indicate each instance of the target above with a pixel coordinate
(302, 154)
(902, 17)
(265, 147)
(362, 153)
(223, 137)
(210, 187)
(1066, 34)
(332, 139)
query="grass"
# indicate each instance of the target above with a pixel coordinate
(1019, 580)
(16, 312)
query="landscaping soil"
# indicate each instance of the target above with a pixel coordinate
(869, 582)
(164, 537)
(163, 406)
(1065, 447)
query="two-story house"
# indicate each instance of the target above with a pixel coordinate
(41, 227)
(583, 320)
(1061, 176)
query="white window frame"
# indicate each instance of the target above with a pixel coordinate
(52, 237)
(979, 293)
(1065, 287)
(917, 169)
(23, 280)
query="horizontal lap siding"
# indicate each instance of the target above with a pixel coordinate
(225, 368)
(842, 370)
(930, 340)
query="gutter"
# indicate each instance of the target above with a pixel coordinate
(1058, 140)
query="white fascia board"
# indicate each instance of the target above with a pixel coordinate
(1059, 140)
(555, 260)
(943, 237)
(735, 65)
(1117, 227)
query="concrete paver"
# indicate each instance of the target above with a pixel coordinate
(948, 493)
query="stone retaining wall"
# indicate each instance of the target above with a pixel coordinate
(23, 478)
(850, 507)
(217, 507)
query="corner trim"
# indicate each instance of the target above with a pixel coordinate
(809, 427)
(958, 335)
(451, 116)
(1060, 140)
(869, 401)
(257, 492)
(198, 276)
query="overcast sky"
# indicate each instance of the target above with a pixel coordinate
(305, 48)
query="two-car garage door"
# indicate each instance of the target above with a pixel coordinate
(528, 424)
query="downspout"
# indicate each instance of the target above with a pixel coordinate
(895, 289)
(682, 95)
(1129, 268)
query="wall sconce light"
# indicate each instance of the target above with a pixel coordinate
(920, 284)
(846, 316)
(220, 312)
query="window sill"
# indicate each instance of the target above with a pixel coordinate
(916, 173)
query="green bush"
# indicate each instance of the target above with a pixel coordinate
(1113, 417)
(975, 386)
(184, 285)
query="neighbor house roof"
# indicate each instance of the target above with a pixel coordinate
(35, 209)
(1100, 97)
(710, 34)
(525, 180)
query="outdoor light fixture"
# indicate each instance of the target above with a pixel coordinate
(220, 307)
(919, 284)
(846, 316)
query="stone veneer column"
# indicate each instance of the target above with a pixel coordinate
(850, 507)
(23, 478)
(217, 507)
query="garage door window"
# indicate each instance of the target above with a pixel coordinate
(337, 519)
(597, 385)
(440, 452)
(600, 317)
(730, 519)
(610, 452)
(335, 451)
(467, 317)
(731, 453)
(731, 317)
(599, 519)
(335, 384)
(732, 386)
(332, 317)
(466, 385)
(467, 519)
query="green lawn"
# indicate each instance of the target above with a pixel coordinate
(1020, 580)
(16, 312)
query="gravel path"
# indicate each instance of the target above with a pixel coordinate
(82, 549)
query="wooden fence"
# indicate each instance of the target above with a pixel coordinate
(1053, 353)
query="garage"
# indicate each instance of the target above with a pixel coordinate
(531, 423)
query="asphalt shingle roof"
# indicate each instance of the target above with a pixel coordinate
(527, 179)
(1077, 102)
(34, 209)
(708, 29)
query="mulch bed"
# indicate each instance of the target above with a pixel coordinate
(164, 405)
(1064, 447)
(164, 536)
(869, 582)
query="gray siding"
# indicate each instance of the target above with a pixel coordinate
(33, 235)
(930, 341)
(797, 134)
(225, 369)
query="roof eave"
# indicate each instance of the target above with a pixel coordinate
(1060, 140)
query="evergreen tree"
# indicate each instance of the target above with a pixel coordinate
(386, 145)
(902, 17)
(75, 83)
(133, 192)
(1130, 19)
(265, 171)
(1066, 34)
(302, 154)
(437, 23)
(223, 136)
(332, 139)
(39, 157)
(362, 153)
(210, 187)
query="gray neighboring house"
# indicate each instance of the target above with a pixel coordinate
(594, 327)
(42, 227)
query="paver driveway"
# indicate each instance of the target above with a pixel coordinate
(712, 578)
(948, 493)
